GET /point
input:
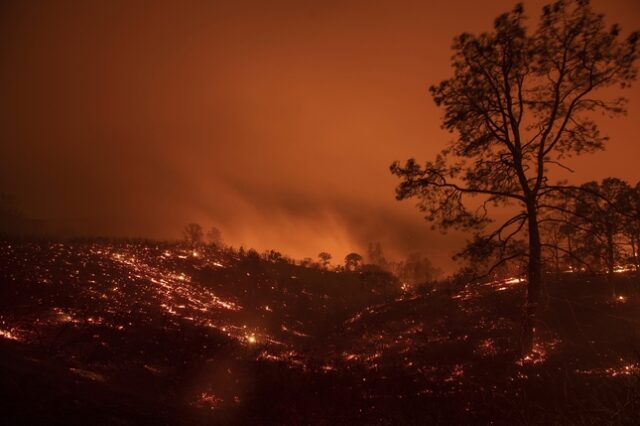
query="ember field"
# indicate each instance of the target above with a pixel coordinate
(149, 333)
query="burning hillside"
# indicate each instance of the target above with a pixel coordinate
(167, 334)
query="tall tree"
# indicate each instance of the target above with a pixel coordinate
(552, 231)
(631, 225)
(599, 207)
(519, 102)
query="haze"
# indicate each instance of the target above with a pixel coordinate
(274, 121)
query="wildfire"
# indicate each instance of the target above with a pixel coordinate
(540, 352)
(9, 335)
(623, 268)
(124, 288)
(487, 348)
(624, 369)
(90, 375)
(456, 374)
(208, 400)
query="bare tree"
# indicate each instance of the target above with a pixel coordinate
(519, 103)
(192, 234)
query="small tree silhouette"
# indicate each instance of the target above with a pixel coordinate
(352, 262)
(324, 258)
(599, 208)
(192, 234)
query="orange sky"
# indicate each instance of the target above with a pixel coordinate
(275, 121)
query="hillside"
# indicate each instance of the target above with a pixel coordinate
(131, 333)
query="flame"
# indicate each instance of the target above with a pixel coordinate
(9, 335)
(540, 352)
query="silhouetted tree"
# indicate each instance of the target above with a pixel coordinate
(376, 257)
(552, 233)
(631, 225)
(307, 262)
(519, 102)
(272, 256)
(416, 269)
(214, 236)
(324, 258)
(593, 217)
(563, 233)
(352, 261)
(598, 207)
(192, 234)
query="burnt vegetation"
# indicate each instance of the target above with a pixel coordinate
(132, 332)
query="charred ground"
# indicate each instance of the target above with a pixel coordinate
(143, 332)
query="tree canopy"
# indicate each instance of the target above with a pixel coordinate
(519, 103)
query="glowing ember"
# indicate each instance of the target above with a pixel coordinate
(90, 375)
(630, 369)
(456, 373)
(623, 268)
(9, 335)
(208, 400)
(124, 289)
(487, 348)
(539, 353)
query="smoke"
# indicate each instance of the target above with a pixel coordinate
(274, 121)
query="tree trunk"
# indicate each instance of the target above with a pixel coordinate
(534, 280)
(610, 263)
(635, 241)
(570, 250)
(637, 256)
(610, 253)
